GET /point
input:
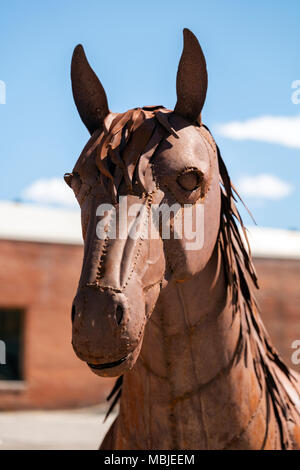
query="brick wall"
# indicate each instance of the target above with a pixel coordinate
(42, 278)
(279, 300)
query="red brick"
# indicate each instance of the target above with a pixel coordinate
(42, 278)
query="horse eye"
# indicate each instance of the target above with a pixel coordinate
(190, 180)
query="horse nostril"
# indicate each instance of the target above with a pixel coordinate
(73, 313)
(119, 314)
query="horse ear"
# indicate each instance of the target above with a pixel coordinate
(88, 93)
(191, 83)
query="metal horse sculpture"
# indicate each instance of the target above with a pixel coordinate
(180, 328)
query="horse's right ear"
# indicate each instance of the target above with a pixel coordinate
(88, 93)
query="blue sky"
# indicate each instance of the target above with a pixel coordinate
(252, 52)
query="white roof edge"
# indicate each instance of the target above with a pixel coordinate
(274, 242)
(36, 223)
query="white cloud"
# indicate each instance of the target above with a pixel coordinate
(284, 130)
(50, 191)
(265, 186)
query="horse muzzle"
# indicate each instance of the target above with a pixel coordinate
(107, 331)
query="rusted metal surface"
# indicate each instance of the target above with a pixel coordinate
(181, 326)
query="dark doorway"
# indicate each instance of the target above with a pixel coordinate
(11, 335)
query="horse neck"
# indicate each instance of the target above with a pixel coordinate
(188, 388)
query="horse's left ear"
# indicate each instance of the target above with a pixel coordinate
(191, 83)
(88, 93)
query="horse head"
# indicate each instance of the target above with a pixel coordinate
(147, 170)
